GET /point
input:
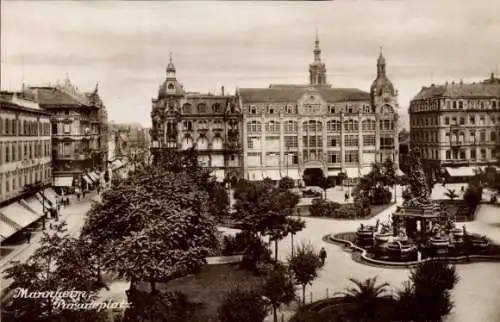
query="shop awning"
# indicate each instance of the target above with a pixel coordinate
(50, 195)
(292, 173)
(88, 179)
(352, 172)
(7, 227)
(272, 174)
(219, 175)
(365, 170)
(63, 181)
(116, 164)
(461, 171)
(255, 175)
(94, 176)
(35, 204)
(19, 214)
(399, 173)
(333, 173)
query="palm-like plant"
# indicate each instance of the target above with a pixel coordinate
(365, 294)
(451, 193)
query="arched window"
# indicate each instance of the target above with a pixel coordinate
(171, 86)
(494, 104)
(217, 143)
(216, 108)
(333, 126)
(202, 108)
(290, 127)
(202, 125)
(187, 143)
(454, 105)
(273, 127)
(312, 126)
(187, 125)
(355, 125)
(460, 105)
(253, 110)
(254, 127)
(202, 143)
(187, 108)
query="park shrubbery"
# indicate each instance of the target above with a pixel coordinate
(309, 193)
(381, 196)
(326, 208)
(232, 245)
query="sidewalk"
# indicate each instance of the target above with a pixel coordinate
(74, 215)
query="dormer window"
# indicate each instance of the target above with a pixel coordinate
(331, 108)
(253, 110)
(171, 86)
(270, 110)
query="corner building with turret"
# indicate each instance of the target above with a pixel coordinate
(290, 128)
(211, 123)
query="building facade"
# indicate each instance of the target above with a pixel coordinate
(210, 123)
(455, 126)
(79, 133)
(290, 128)
(25, 145)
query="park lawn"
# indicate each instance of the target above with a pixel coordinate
(209, 286)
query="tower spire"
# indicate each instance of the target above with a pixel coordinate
(381, 62)
(317, 50)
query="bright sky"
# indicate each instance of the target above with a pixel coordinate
(125, 45)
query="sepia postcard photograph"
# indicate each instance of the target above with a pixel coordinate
(250, 161)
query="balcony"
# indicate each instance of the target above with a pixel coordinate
(456, 144)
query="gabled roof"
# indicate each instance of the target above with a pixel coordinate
(50, 96)
(290, 94)
(474, 90)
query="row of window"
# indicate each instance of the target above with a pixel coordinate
(455, 136)
(201, 125)
(317, 126)
(23, 150)
(435, 104)
(310, 108)
(480, 120)
(202, 108)
(16, 180)
(254, 142)
(472, 155)
(15, 127)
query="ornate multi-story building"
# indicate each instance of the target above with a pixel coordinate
(289, 128)
(79, 133)
(25, 163)
(211, 123)
(25, 150)
(455, 126)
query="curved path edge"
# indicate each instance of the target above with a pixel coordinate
(331, 239)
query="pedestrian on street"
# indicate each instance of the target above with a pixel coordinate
(322, 255)
(346, 197)
(28, 236)
(78, 195)
(83, 194)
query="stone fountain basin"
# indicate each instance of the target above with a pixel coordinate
(440, 241)
(382, 237)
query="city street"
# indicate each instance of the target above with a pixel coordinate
(74, 215)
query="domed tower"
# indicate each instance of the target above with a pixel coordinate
(317, 69)
(382, 91)
(170, 86)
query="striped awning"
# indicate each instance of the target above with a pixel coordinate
(63, 181)
(461, 171)
(292, 173)
(255, 175)
(219, 175)
(19, 214)
(7, 227)
(94, 176)
(272, 174)
(88, 179)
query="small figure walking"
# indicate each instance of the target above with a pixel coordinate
(346, 197)
(28, 236)
(322, 255)
(78, 195)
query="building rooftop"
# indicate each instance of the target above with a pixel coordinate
(489, 88)
(290, 94)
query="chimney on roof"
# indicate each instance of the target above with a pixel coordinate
(222, 90)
